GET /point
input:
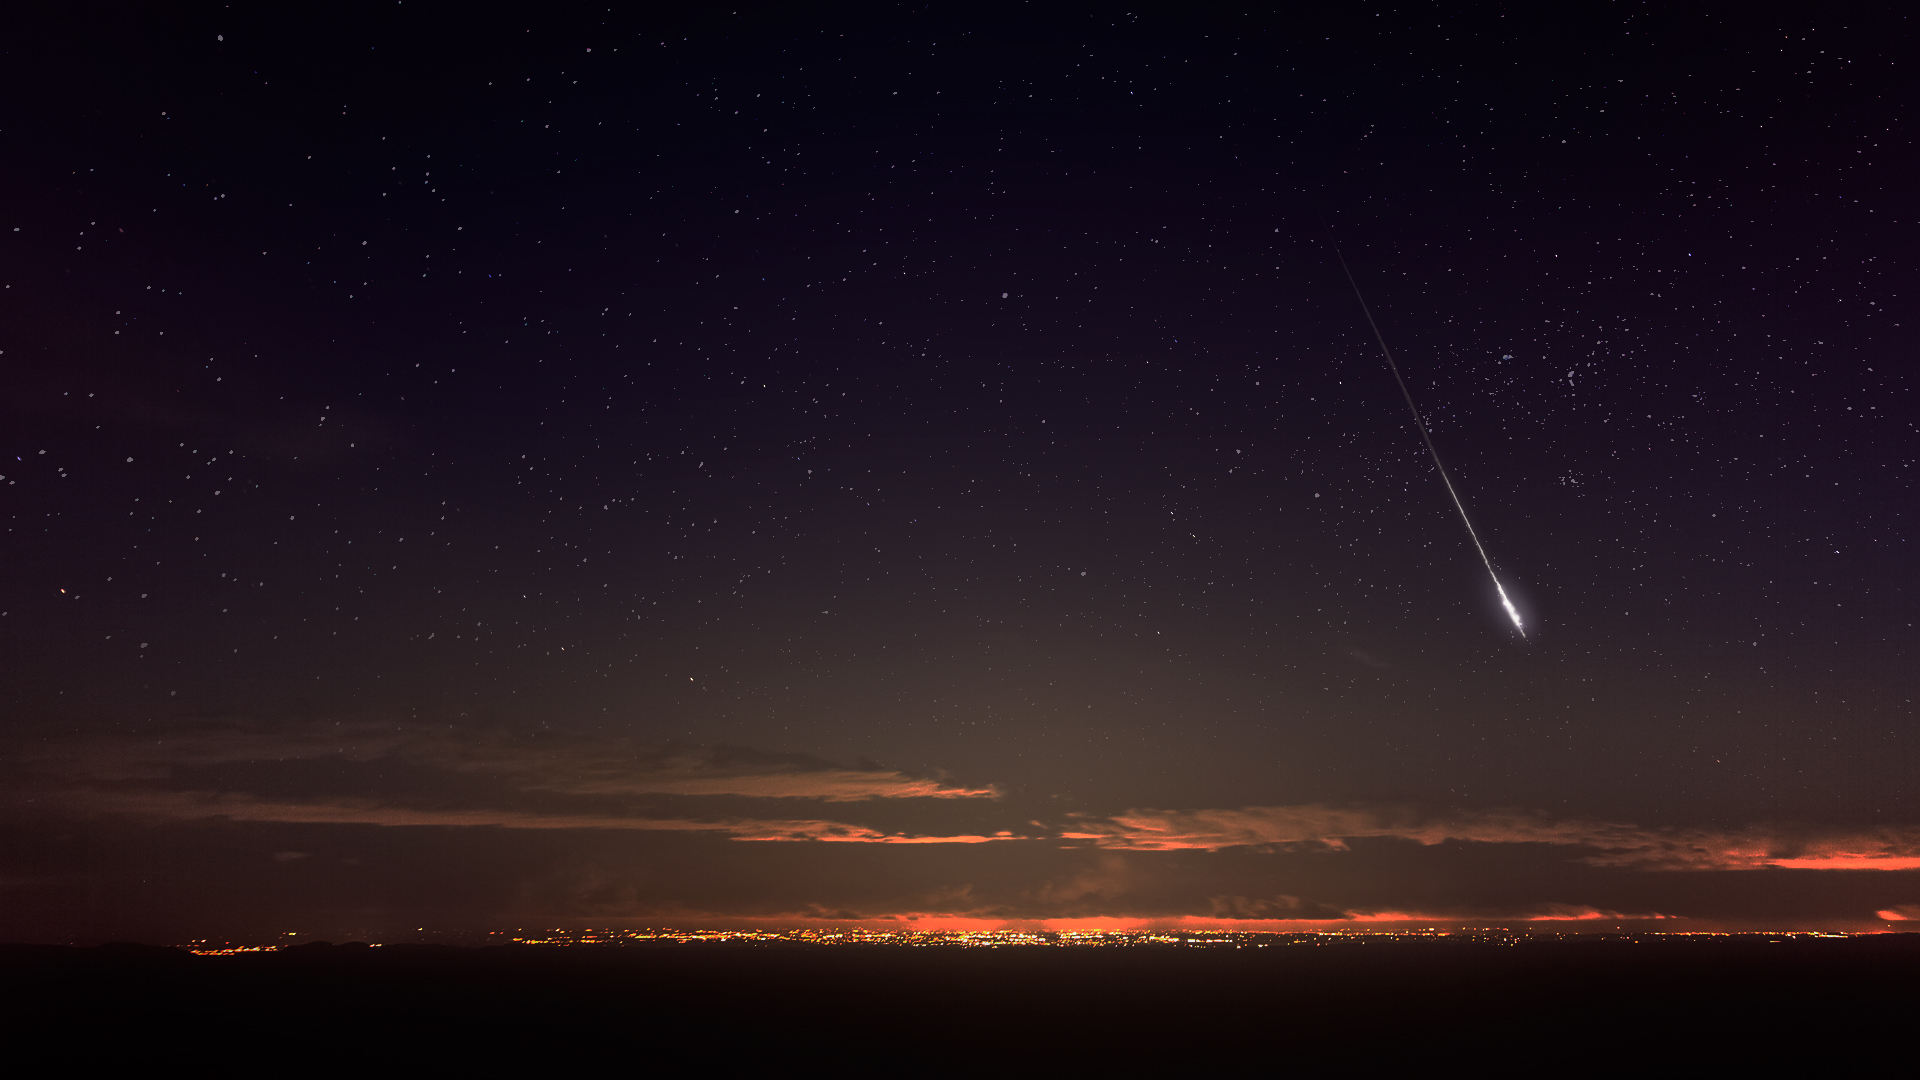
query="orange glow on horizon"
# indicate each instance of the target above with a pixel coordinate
(1849, 862)
(1595, 915)
(1359, 923)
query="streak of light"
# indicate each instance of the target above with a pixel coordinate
(1420, 425)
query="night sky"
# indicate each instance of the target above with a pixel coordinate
(925, 467)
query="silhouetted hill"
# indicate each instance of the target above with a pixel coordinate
(1561, 1008)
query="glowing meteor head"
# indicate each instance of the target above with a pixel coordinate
(1512, 612)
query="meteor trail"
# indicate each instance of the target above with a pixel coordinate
(1512, 612)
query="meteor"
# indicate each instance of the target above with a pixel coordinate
(1419, 424)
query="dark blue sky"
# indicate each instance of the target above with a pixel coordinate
(564, 452)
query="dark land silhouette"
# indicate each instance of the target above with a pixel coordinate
(1573, 1007)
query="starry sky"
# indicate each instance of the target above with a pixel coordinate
(926, 467)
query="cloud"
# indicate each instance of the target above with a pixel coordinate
(384, 775)
(1577, 913)
(527, 761)
(616, 766)
(501, 827)
(203, 805)
(1295, 909)
(1290, 908)
(840, 832)
(396, 776)
(1598, 843)
(1848, 860)
(393, 775)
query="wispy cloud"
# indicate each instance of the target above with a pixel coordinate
(617, 766)
(522, 761)
(1598, 843)
(530, 779)
(383, 775)
(201, 805)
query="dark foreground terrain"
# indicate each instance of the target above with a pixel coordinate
(1567, 1008)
